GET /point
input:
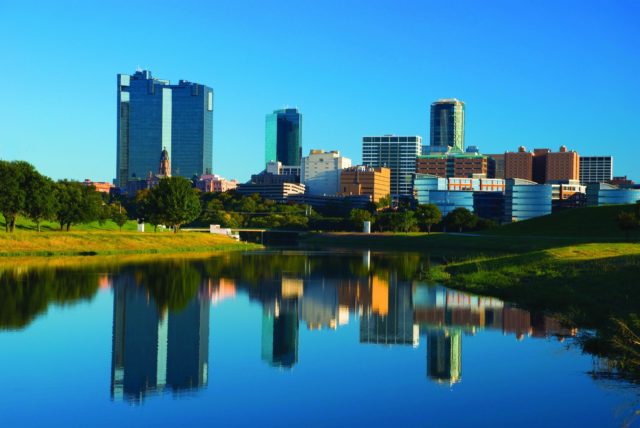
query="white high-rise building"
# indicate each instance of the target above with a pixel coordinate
(321, 171)
(398, 154)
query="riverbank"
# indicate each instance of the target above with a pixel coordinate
(80, 243)
(443, 243)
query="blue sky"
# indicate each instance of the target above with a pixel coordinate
(538, 74)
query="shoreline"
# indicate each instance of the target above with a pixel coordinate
(111, 243)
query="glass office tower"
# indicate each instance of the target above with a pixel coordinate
(447, 124)
(283, 137)
(154, 115)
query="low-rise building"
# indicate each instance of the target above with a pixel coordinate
(278, 192)
(102, 187)
(525, 199)
(364, 180)
(608, 194)
(215, 183)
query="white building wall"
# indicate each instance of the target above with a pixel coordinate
(321, 172)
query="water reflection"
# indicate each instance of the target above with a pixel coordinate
(161, 312)
(155, 348)
(161, 334)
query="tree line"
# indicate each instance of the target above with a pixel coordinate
(27, 193)
(175, 202)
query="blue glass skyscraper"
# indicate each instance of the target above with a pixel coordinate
(283, 137)
(154, 115)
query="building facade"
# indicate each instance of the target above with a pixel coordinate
(283, 137)
(363, 180)
(396, 153)
(525, 199)
(518, 164)
(447, 124)
(562, 165)
(452, 164)
(321, 172)
(215, 183)
(495, 166)
(153, 115)
(596, 169)
(542, 165)
(608, 194)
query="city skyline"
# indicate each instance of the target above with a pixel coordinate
(251, 77)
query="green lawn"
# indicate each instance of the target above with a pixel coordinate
(590, 223)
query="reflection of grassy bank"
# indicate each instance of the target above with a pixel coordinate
(27, 243)
(593, 286)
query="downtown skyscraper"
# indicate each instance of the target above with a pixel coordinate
(154, 115)
(447, 125)
(283, 137)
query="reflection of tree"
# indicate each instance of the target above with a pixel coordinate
(171, 284)
(24, 295)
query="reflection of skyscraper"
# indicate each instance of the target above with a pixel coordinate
(151, 351)
(280, 334)
(391, 323)
(444, 355)
(319, 307)
(188, 356)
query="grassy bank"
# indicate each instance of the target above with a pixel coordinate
(49, 243)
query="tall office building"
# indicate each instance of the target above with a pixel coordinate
(595, 169)
(154, 115)
(447, 124)
(283, 137)
(321, 171)
(396, 153)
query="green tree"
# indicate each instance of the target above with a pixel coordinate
(118, 214)
(627, 221)
(357, 217)
(461, 218)
(40, 202)
(13, 190)
(404, 221)
(175, 201)
(428, 215)
(77, 203)
(384, 202)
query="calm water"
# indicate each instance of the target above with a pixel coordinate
(285, 339)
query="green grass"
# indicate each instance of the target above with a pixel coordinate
(589, 223)
(570, 227)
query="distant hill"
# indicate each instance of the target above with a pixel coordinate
(589, 222)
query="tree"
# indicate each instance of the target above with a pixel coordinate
(428, 215)
(12, 192)
(175, 201)
(118, 214)
(40, 203)
(77, 203)
(461, 218)
(357, 217)
(627, 221)
(384, 202)
(404, 221)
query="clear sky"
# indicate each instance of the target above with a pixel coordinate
(538, 74)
